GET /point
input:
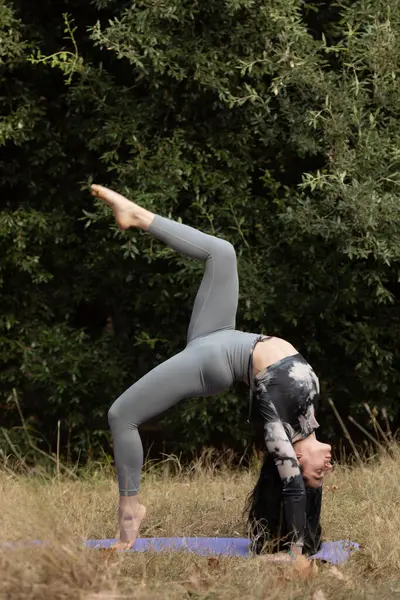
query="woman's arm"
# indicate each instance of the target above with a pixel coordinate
(294, 494)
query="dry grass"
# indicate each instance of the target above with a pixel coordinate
(360, 504)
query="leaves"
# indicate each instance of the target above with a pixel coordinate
(248, 120)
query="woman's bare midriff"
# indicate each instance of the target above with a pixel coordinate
(268, 352)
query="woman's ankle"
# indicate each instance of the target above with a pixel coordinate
(145, 218)
(129, 501)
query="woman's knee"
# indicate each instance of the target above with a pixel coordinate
(225, 249)
(122, 414)
(114, 414)
(118, 419)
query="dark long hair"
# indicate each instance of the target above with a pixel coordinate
(268, 530)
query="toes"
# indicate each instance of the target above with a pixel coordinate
(128, 545)
(122, 546)
(98, 190)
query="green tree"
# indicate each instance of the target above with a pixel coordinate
(272, 124)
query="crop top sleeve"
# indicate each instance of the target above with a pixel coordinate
(280, 447)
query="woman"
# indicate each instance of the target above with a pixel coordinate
(215, 356)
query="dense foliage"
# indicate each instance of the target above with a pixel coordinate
(274, 124)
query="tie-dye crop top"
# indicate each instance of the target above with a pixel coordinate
(287, 393)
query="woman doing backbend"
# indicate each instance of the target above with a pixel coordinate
(216, 354)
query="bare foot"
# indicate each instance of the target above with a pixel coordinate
(129, 524)
(126, 213)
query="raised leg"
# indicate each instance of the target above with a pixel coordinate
(216, 301)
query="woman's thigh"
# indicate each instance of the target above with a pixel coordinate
(164, 386)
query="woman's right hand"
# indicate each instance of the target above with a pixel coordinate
(279, 557)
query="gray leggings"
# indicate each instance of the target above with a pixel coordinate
(201, 369)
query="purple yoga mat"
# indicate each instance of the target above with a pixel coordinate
(334, 552)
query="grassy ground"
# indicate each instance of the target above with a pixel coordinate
(362, 504)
